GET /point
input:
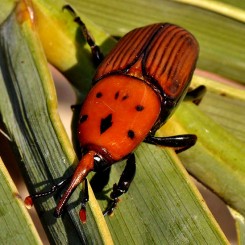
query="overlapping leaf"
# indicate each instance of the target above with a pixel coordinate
(162, 205)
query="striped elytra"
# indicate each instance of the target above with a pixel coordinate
(163, 55)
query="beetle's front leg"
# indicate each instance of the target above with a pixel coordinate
(179, 142)
(29, 199)
(100, 180)
(95, 49)
(123, 184)
(82, 213)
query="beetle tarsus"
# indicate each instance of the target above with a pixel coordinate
(57, 214)
(82, 213)
(69, 8)
(196, 95)
(123, 184)
(29, 199)
(112, 205)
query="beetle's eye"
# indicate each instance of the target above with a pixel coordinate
(99, 163)
(97, 158)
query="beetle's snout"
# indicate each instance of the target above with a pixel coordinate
(85, 166)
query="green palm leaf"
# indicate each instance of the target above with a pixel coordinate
(162, 206)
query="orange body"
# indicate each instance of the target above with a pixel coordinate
(117, 115)
(137, 87)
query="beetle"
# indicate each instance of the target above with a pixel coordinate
(136, 88)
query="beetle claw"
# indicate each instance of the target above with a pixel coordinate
(82, 214)
(111, 206)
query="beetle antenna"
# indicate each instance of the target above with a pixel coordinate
(83, 168)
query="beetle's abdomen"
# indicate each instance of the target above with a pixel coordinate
(163, 55)
(117, 115)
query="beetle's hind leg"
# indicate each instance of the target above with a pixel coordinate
(95, 49)
(196, 95)
(123, 184)
(179, 142)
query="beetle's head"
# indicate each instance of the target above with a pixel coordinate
(89, 162)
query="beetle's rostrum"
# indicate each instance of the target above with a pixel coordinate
(135, 90)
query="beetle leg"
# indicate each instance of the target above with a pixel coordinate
(179, 142)
(96, 52)
(196, 94)
(100, 180)
(29, 199)
(76, 107)
(85, 199)
(123, 184)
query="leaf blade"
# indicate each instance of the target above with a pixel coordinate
(221, 38)
(27, 100)
(15, 223)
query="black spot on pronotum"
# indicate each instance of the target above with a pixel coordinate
(139, 108)
(105, 123)
(131, 134)
(125, 97)
(116, 95)
(99, 95)
(83, 118)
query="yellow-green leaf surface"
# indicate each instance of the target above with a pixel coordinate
(64, 45)
(143, 205)
(221, 38)
(16, 226)
(225, 105)
(240, 226)
(216, 159)
(6, 8)
(229, 3)
(219, 7)
(28, 109)
(162, 206)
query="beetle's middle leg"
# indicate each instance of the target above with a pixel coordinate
(179, 142)
(123, 184)
(95, 49)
